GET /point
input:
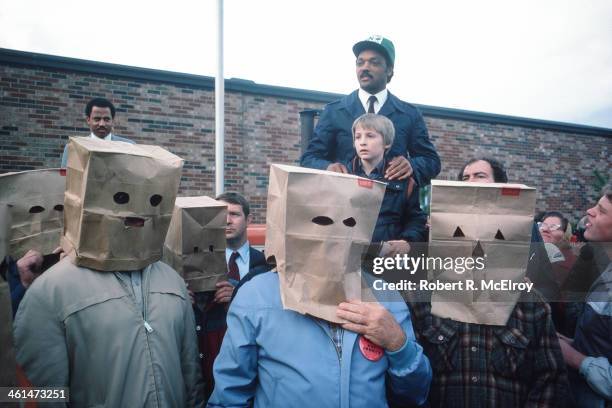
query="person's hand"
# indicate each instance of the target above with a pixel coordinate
(564, 338)
(224, 292)
(191, 296)
(572, 357)
(338, 168)
(392, 248)
(399, 168)
(29, 267)
(372, 321)
(59, 250)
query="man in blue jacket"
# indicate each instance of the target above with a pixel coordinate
(332, 143)
(275, 356)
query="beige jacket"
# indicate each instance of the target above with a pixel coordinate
(81, 328)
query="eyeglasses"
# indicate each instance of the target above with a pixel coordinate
(550, 227)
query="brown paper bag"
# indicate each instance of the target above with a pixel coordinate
(35, 210)
(317, 227)
(118, 203)
(491, 221)
(195, 244)
(7, 352)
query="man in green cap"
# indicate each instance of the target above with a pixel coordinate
(412, 153)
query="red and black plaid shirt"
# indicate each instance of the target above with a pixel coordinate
(474, 365)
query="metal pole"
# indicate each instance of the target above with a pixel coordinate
(307, 121)
(219, 105)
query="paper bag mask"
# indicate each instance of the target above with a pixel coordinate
(32, 210)
(317, 227)
(490, 222)
(118, 203)
(195, 244)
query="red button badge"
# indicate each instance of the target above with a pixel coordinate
(370, 350)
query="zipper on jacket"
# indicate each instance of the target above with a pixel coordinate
(146, 284)
(145, 301)
(338, 353)
(338, 349)
(148, 327)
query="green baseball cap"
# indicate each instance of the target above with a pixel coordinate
(378, 43)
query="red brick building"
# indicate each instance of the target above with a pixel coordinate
(42, 99)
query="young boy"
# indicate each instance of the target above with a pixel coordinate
(401, 219)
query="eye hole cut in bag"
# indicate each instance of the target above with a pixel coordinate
(322, 220)
(349, 222)
(121, 197)
(36, 209)
(155, 200)
(458, 233)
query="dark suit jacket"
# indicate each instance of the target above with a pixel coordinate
(256, 258)
(210, 323)
(257, 265)
(333, 137)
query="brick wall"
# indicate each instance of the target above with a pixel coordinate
(42, 104)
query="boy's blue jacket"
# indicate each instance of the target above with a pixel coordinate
(400, 215)
(280, 358)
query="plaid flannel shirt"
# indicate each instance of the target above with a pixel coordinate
(474, 365)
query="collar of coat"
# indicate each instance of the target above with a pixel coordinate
(353, 105)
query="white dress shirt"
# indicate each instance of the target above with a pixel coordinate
(381, 98)
(108, 137)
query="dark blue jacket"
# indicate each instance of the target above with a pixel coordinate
(333, 139)
(400, 215)
(10, 273)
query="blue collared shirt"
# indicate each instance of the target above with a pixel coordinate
(243, 260)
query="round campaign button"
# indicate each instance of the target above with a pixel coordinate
(370, 350)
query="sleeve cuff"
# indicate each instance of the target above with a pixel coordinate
(584, 366)
(401, 355)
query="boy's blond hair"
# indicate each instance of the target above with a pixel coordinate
(379, 123)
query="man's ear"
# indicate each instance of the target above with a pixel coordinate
(389, 74)
(249, 219)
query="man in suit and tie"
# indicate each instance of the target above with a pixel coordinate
(332, 144)
(210, 308)
(241, 257)
(100, 116)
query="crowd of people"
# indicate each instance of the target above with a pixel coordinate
(120, 337)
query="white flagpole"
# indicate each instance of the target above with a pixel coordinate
(219, 105)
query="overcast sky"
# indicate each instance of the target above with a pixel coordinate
(544, 59)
